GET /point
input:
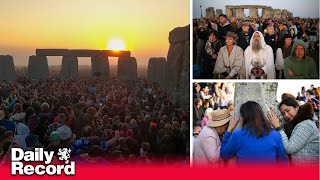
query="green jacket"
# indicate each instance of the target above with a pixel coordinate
(302, 69)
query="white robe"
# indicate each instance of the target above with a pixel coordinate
(266, 53)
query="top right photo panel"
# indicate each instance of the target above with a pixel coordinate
(261, 39)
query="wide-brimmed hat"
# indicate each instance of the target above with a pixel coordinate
(2, 114)
(231, 34)
(245, 23)
(219, 118)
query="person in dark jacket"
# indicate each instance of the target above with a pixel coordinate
(223, 27)
(244, 36)
(271, 38)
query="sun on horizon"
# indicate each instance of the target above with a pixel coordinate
(116, 44)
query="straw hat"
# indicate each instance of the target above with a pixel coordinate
(219, 118)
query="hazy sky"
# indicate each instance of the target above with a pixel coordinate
(294, 87)
(144, 25)
(302, 8)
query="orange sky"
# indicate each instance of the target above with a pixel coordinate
(144, 25)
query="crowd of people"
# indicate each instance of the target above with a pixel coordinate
(229, 48)
(259, 138)
(102, 121)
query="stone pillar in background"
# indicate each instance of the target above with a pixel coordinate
(7, 70)
(38, 68)
(284, 14)
(267, 12)
(277, 13)
(228, 12)
(210, 12)
(157, 71)
(127, 68)
(100, 67)
(240, 13)
(234, 12)
(178, 66)
(263, 93)
(218, 12)
(253, 12)
(69, 67)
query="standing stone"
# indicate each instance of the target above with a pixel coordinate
(69, 67)
(219, 12)
(100, 67)
(253, 12)
(240, 13)
(228, 12)
(264, 93)
(234, 12)
(157, 71)
(284, 14)
(178, 63)
(266, 12)
(38, 68)
(277, 13)
(127, 68)
(210, 12)
(7, 70)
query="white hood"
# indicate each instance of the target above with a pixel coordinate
(263, 42)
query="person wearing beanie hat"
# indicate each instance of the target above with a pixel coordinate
(298, 65)
(282, 53)
(54, 142)
(223, 27)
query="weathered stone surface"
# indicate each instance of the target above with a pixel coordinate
(210, 12)
(229, 12)
(157, 71)
(82, 52)
(69, 67)
(179, 34)
(240, 13)
(127, 68)
(277, 13)
(267, 12)
(52, 52)
(178, 71)
(253, 12)
(38, 67)
(263, 93)
(100, 67)
(219, 11)
(7, 70)
(284, 14)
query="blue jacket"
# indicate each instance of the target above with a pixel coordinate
(248, 148)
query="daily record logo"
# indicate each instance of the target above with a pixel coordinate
(40, 155)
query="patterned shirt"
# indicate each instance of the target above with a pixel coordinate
(303, 144)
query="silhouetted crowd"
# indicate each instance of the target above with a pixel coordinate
(101, 121)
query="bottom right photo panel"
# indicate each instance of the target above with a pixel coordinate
(255, 123)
